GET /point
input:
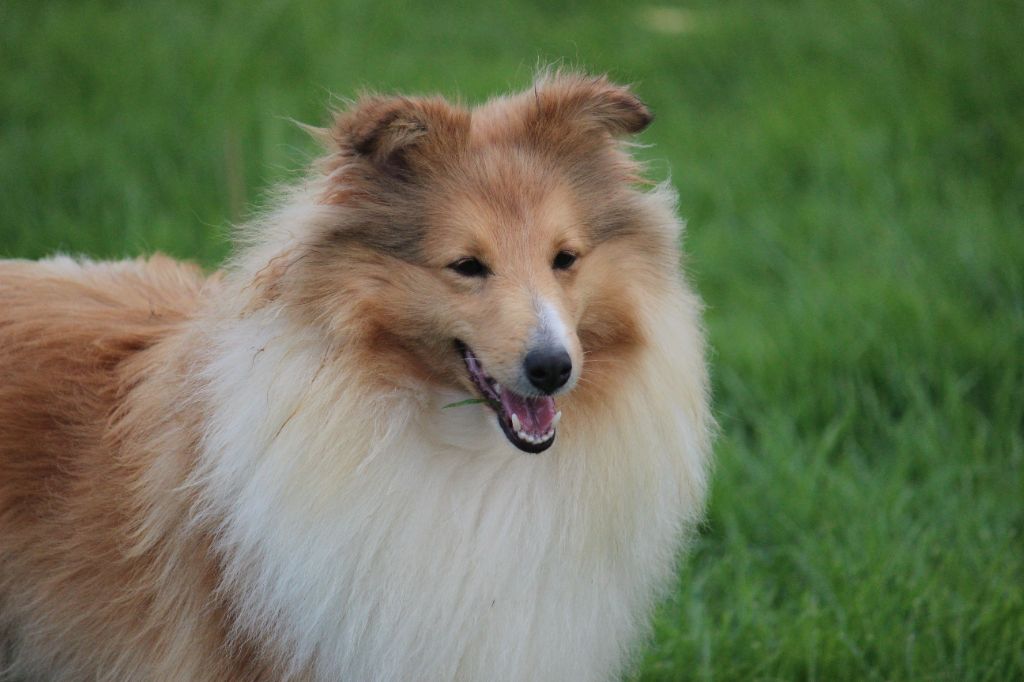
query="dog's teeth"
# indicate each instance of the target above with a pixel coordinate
(558, 418)
(516, 424)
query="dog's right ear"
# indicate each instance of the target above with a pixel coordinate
(398, 134)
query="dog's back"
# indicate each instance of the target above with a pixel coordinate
(66, 331)
(73, 339)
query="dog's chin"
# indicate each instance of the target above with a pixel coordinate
(529, 422)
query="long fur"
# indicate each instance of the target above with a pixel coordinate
(252, 476)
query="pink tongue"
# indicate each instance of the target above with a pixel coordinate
(535, 414)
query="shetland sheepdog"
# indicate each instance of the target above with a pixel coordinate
(442, 416)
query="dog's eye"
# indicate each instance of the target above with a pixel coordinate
(470, 267)
(564, 260)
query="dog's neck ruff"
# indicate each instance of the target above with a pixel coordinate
(354, 525)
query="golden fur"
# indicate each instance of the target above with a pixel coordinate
(129, 488)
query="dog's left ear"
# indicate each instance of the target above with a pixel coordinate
(594, 102)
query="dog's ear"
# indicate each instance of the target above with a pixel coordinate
(393, 133)
(593, 102)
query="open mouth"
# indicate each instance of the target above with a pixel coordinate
(528, 421)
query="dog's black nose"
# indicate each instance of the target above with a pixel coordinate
(548, 368)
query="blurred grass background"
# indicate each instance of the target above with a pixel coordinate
(853, 177)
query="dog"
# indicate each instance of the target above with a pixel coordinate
(443, 415)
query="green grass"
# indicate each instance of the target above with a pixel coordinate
(853, 179)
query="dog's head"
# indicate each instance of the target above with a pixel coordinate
(505, 249)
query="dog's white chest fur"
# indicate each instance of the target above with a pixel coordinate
(373, 537)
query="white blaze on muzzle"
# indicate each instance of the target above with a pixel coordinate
(551, 330)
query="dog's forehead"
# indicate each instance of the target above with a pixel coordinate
(507, 203)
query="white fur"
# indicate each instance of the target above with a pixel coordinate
(379, 537)
(549, 324)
